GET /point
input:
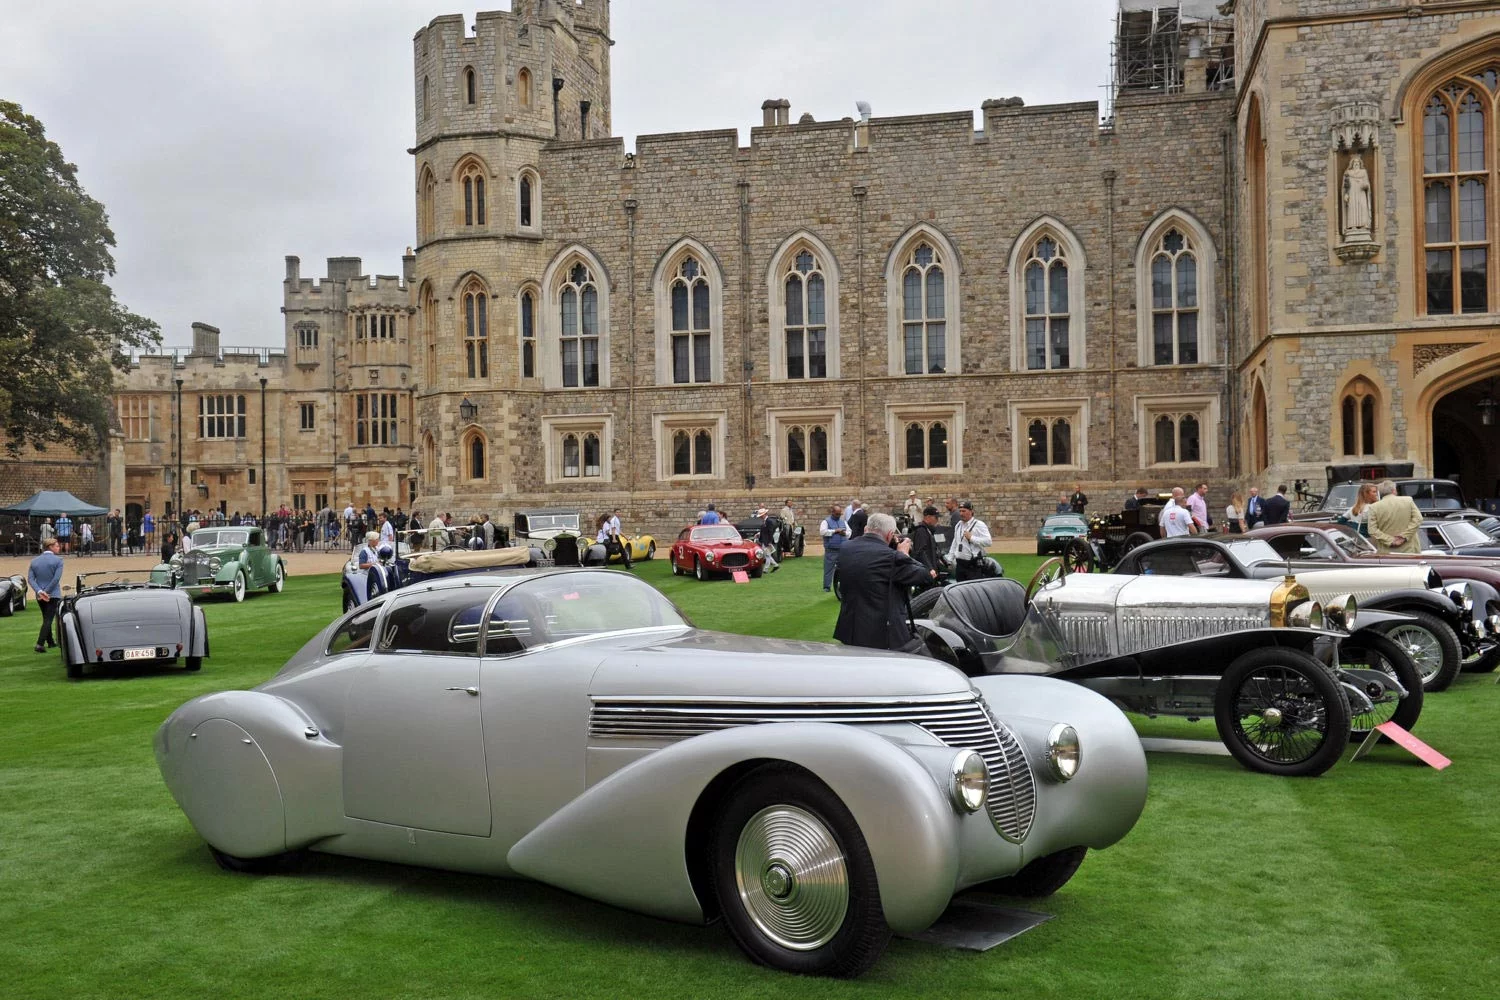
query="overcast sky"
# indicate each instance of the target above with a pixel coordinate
(223, 136)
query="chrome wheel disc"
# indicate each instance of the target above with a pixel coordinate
(1422, 646)
(791, 877)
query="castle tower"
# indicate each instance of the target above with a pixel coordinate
(488, 98)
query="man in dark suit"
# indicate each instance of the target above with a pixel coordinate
(930, 541)
(874, 579)
(1277, 508)
(857, 519)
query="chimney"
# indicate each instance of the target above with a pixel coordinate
(205, 341)
(293, 269)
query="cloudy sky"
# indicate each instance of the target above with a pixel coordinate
(221, 136)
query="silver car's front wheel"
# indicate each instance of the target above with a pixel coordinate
(794, 878)
(239, 588)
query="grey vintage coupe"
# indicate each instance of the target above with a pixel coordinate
(573, 727)
(120, 619)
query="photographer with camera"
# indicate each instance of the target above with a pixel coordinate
(875, 574)
(971, 541)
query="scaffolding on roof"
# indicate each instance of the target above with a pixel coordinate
(1170, 48)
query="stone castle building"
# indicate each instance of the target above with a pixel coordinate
(1274, 249)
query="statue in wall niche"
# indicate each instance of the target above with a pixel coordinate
(1357, 209)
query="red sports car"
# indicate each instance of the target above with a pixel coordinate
(714, 548)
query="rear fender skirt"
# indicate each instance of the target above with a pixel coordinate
(198, 634)
(304, 765)
(72, 643)
(625, 840)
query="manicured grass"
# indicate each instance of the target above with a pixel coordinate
(1377, 880)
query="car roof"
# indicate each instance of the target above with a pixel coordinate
(548, 510)
(1065, 516)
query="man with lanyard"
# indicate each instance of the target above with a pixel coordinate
(930, 540)
(1255, 514)
(45, 576)
(835, 533)
(1175, 518)
(971, 538)
(878, 574)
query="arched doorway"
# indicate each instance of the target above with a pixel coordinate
(1464, 447)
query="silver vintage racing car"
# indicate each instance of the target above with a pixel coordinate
(573, 727)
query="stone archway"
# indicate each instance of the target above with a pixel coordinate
(1260, 426)
(1464, 448)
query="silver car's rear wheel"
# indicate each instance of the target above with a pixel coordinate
(1432, 646)
(794, 878)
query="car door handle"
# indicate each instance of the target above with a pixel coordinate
(474, 691)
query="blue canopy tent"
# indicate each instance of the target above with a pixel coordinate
(53, 503)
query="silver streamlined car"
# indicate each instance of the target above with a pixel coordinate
(571, 726)
(118, 618)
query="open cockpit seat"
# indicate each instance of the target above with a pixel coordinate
(994, 606)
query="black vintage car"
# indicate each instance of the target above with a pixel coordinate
(788, 543)
(1111, 536)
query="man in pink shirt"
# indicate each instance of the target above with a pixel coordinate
(1198, 506)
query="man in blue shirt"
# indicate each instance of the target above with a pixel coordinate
(710, 516)
(64, 529)
(45, 576)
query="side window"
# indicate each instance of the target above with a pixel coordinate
(444, 621)
(1290, 546)
(355, 633)
(1172, 561)
(255, 538)
(1433, 539)
(515, 624)
(682, 535)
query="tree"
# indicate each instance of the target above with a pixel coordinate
(62, 334)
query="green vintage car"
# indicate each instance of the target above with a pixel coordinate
(230, 561)
(1058, 530)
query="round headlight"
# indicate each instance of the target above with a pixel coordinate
(708, 556)
(1342, 612)
(1493, 624)
(1308, 614)
(549, 546)
(1462, 595)
(1064, 755)
(176, 560)
(971, 781)
(214, 565)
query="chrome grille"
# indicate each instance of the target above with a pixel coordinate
(964, 723)
(1087, 636)
(734, 560)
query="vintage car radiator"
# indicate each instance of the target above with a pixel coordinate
(195, 570)
(735, 560)
(963, 722)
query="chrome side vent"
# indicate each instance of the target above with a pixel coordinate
(962, 722)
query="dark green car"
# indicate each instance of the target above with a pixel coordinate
(231, 561)
(1058, 530)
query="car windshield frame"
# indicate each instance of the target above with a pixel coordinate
(705, 533)
(1350, 541)
(240, 538)
(1253, 551)
(1065, 520)
(552, 522)
(1450, 529)
(546, 595)
(1341, 496)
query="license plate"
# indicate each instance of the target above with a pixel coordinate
(147, 653)
(206, 590)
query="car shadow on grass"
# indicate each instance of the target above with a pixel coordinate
(121, 671)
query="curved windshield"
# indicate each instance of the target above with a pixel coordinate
(219, 537)
(716, 533)
(1064, 521)
(1342, 496)
(1254, 551)
(1461, 533)
(552, 522)
(562, 606)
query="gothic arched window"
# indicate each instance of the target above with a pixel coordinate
(471, 182)
(1174, 300)
(924, 326)
(578, 314)
(476, 320)
(692, 344)
(1047, 309)
(1457, 175)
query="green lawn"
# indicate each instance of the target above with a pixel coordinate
(1376, 880)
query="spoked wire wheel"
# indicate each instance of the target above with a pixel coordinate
(1371, 651)
(1279, 711)
(1426, 640)
(1080, 557)
(791, 877)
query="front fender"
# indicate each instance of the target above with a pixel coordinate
(625, 840)
(1412, 600)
